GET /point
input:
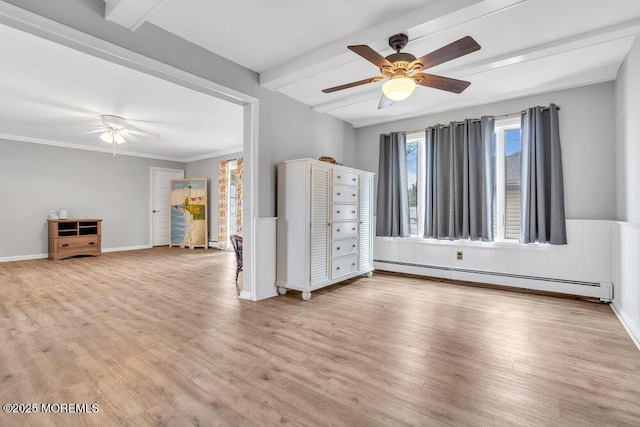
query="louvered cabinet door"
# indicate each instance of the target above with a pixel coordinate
(365, 253)
(319, 225)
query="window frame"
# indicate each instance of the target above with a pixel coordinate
(500, 129)
(419, 138)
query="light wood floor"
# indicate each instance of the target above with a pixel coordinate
(159, 337)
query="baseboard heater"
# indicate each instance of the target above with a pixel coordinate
(603, 291)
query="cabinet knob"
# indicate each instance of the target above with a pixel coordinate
(353, 228)
(338, 248)
(353, 179)
(353, 246)
(337, 268)
(339, 177)
(338, 194)
(64, 245)
(354, 194)
(337, 211)
(337, 230)
(353, 211)
(92, 243)
(353, 264)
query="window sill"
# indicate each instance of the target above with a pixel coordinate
(470, 243)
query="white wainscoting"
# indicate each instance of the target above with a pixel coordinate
(265, 258)
(583, 267)
(626, 276)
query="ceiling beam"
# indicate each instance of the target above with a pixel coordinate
(130, 13)
(436, 16)
(590, 38)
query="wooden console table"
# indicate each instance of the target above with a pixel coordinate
(71, 237)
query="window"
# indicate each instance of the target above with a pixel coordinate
(506, 202)
(412, 182)
(508, 147)
(231, 216)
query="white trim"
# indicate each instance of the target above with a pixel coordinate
(237, 150)
(626, 322)
(21, 19)
(85, 147)
(119, 153)
(126, 248)
(23, 257)
(245, 295)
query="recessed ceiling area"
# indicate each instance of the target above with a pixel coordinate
(300, 48)
(53, 94)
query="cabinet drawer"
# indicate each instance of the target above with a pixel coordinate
(344, 229)
(345, 178)
(78, 244)
(343, 266)
(344, 247)
(343, 193)
(344, 212)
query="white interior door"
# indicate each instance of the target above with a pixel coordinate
(160, 209)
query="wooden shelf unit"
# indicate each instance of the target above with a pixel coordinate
(72, 237)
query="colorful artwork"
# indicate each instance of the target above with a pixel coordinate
(188, 200)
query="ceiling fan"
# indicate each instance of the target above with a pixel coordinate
(114, 130)
(402, 69)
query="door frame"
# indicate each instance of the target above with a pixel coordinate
(153, 169)
(40, 26)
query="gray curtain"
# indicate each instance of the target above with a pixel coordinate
(393, 196)
(542, 203)
(460, 180)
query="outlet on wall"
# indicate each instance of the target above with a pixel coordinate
(459, 255)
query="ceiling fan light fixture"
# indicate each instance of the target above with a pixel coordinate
(107, 137)
(119, 139)
(399, 88)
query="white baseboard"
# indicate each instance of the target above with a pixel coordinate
(127, 248)
(626, 322)
(270, 293)
(245, 295)
(23, 257)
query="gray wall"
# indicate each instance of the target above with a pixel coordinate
(587, 132)
(36, 179)
(628, 137)
(287, 128)
(209, 168)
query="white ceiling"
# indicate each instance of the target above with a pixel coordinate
(300, 47)
(53, 94)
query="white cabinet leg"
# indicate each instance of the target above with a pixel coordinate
(282, 290)
(369, 274)
(306, 295)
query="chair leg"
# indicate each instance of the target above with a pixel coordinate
(237, 273)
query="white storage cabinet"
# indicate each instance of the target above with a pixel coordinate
(325, 225)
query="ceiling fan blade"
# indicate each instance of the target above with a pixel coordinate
(384, 102)
(451, 51)
(353, 84)
(439, 82)
(139, 133)
(371, 55)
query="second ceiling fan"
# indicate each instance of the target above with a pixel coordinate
(402, 70)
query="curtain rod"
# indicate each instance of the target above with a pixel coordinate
(503, 116)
